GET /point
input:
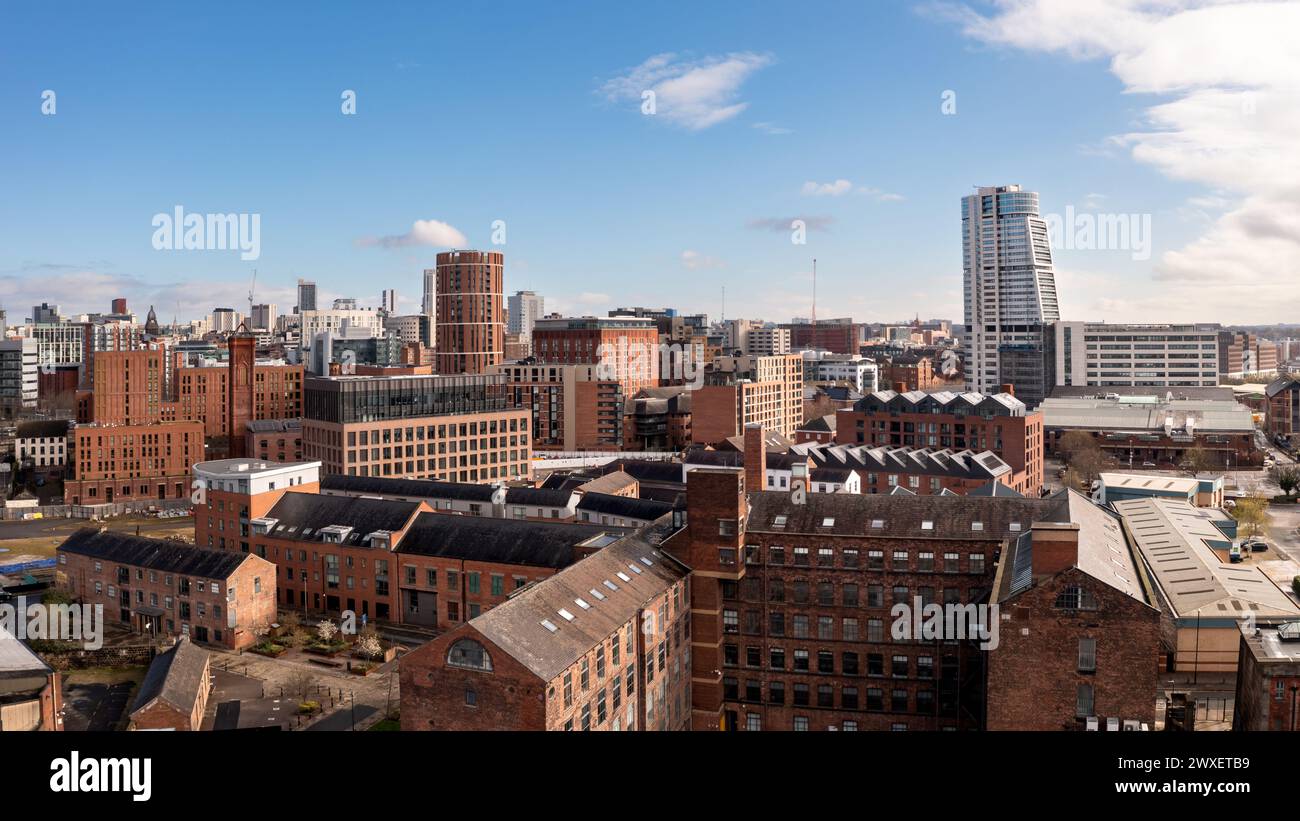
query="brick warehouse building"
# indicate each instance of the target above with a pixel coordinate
(453, 428)
(1080, 626)
(792, 602)
(1268, 677)
(997, 422)
(391, 559)
(603, 645)
(164, 587)
(1282, 409)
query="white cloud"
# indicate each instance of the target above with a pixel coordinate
(773, 129)
(423, 232)
(827, 189)
(695, 261)
(78, 290)
(691, 94)
(1229, 74)
(839, 188)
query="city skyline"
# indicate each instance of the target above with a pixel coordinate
(600, 205)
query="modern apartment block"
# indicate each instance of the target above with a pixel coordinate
(1009, 291)
(306, 296)
(834, 335)
(19, 383)
(454, 428)
(132, 463)
(741, 390)
(129, 387)
(997, 422)
(604, 644)
(1097, 354)
(572, 408)
(525, 308)
(1242, 353)
(625, 348)
(166, 588)
(470, 311)
(202, 394)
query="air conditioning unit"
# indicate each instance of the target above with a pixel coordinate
(1091, 725)
(1112, 725)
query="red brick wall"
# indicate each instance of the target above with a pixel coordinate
(1033, 675)
(510, 697)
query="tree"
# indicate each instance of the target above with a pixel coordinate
(1287, 477)
(1199, 460)
(368, 645)
(300, 684)
(1075, 442)
(327, 630)
(1252, 513)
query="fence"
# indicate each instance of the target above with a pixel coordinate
(93, 512)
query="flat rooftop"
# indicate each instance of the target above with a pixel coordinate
(245, 467)
(1159, 484)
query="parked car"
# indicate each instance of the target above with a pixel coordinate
(1234, 555)
(1148, 464)
(1255, 545)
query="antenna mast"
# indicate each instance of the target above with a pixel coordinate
(814, 307)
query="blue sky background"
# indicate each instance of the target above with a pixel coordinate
(472, 112)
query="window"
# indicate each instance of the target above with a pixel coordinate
(753, 722)
(925, 562)
(951, 562)
(849, 698)
(849, 664)
(801, 556)
(801, 724)
(1074, 597)
(469, 655)
(776, 692)
(1083, 701)
(800, 695)
(825, 557)
(875, 630)
(471, 698)
(849, 628)
(825, 661)
(776, 658)
(898, 669)
(1087, 655)
(801, 660)
(730, 621)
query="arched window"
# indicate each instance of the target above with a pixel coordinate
(469, 654)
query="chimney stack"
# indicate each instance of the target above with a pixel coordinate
(1055, 547)
(900, 387)
(755, 458)
(1007, 387)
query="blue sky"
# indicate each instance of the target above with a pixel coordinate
(474, 112)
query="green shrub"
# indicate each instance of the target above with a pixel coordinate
(309, 707)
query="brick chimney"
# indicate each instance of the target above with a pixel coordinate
(1055, 547)
(1008, 388)
(755, 458)
(900, 387)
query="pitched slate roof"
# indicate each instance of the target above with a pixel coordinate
(625, 506)
(499, 541)
(42, 429)
(950, 517)
(163, 555)
(300, 516)
(644, 470)
(175, 677)
(411, 488)
(516, 625)
(964, 464)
